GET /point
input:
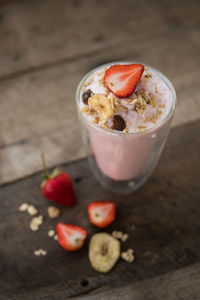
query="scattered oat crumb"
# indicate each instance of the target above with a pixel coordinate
(55, 237)
(117, 234)
(36, 222)
(40, 252)
(124, 237)
(120, 235)
(29, 208)
(51, 233)
(125, 130)
(32, 210)
(23, 207)
(34, 227)
(128, 255)
(53, 212)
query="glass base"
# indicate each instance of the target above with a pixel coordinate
(116, 186)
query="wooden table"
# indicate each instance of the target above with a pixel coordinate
(46, 47)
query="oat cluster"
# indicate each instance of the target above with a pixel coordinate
(32, 211)
(40, 252)
(53, 212)
(120, 235)
(36, 222)
(128, 255)
(51, 233)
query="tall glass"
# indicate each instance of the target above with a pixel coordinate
(122, 161)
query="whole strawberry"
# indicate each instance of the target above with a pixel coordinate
(57, 186)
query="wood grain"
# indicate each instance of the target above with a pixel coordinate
(182, 284)
(65, 30)
(45, 58)
(162, 220)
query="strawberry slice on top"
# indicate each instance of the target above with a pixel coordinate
(123, 79)
(102, 213)
(71, 237)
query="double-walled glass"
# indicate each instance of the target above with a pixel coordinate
(121, 161)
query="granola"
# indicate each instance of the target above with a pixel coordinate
(32, 210)
(120, 235)
(144, 101)
(36, 222)
(141, 128)
(40, 252)
(140, 105)
(128, 255)
(53, 212)
(51, 233)
(23, 207)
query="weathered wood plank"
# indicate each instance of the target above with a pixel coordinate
(165, 234)
(38, 110)
(65, 30)
(183, 284)
(8, 2)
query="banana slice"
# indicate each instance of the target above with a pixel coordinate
(104, 252)
(101, 105)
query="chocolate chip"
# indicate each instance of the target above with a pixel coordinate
(119, 123)
(86, 95)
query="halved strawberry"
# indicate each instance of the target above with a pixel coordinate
(102, 213)
(71, 237)
(123, 79)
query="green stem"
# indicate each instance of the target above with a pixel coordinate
(46, 172)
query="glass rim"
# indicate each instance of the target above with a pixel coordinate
(115, 132)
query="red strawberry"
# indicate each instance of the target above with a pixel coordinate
(123, 79)
(58, 186)
(102, 213)
(70, 237)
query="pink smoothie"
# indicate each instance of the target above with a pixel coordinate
(123, 155)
